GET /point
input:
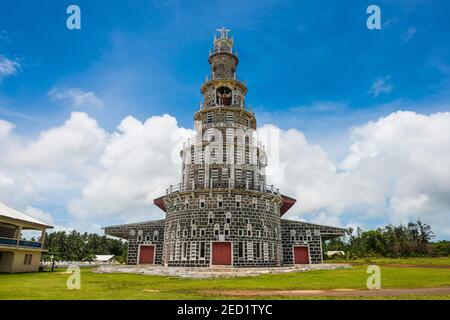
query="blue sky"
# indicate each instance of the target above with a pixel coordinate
(149, 57)
(309, 65)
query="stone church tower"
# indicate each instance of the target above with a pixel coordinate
(223, 212)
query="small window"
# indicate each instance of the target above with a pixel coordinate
(226, 230)
(254, 202)
(202, 250)
(238, 201)
(184, 251)
(210, 218)
(216, 229)
(194, 232)
(292, 233)
(240, 249)
(185, 233)
(147, 237)
(219, 201)
(202, 232)
(228, 218)
(192, 221)
(247, 221)
(258, 250)
(241, 232)
(249, 233)
(258, 233)
(202, 201)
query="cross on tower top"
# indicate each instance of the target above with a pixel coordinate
(224, 32)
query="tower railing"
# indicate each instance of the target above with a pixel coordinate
(230, 185)
(191, 142)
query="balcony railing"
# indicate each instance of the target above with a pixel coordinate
(222, 185)
(251, 142)
(20, 243)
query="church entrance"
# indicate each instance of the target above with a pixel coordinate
(146, 254)
(221, 253)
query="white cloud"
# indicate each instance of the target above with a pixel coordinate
(39, 214)
(381, 85)
(409, 34)
(76, 98)
(395, 170)
(8, 67)
(135, 168)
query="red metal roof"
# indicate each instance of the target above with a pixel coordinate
(288, 202)
(160, 203)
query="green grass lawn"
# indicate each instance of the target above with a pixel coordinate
(381, 261)
(52, 285)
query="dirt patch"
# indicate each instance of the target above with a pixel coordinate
(331, 293)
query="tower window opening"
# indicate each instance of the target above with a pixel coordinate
(226, 230)
(228, 218)
(202, 201)
(210, 217)
(223, 96)
(216, 229)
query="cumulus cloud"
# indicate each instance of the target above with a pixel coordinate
(381, 85)
(135, 168)
(396, 169)
(8, 67)
(76, 98)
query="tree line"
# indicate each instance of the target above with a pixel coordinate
(74, 246)
(410, 240)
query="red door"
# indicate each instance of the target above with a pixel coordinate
(301, 255)
(221, 253)
(146, 254)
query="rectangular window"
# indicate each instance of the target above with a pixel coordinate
(216, 232)
(226, 232)
(241, 233)
(258, 250)
(240, 249)
(184, 251)
(202, 250)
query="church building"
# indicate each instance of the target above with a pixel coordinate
(223, 212)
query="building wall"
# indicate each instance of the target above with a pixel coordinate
(257, 214)
(13, 261)
(144, 233)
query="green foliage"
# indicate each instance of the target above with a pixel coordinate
(75, 246)
(441, 248)
(411, 240)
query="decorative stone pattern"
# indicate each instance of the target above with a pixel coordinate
(298, 233)
(223, 196)
(143, 233)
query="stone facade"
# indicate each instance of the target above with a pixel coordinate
(223, 198)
